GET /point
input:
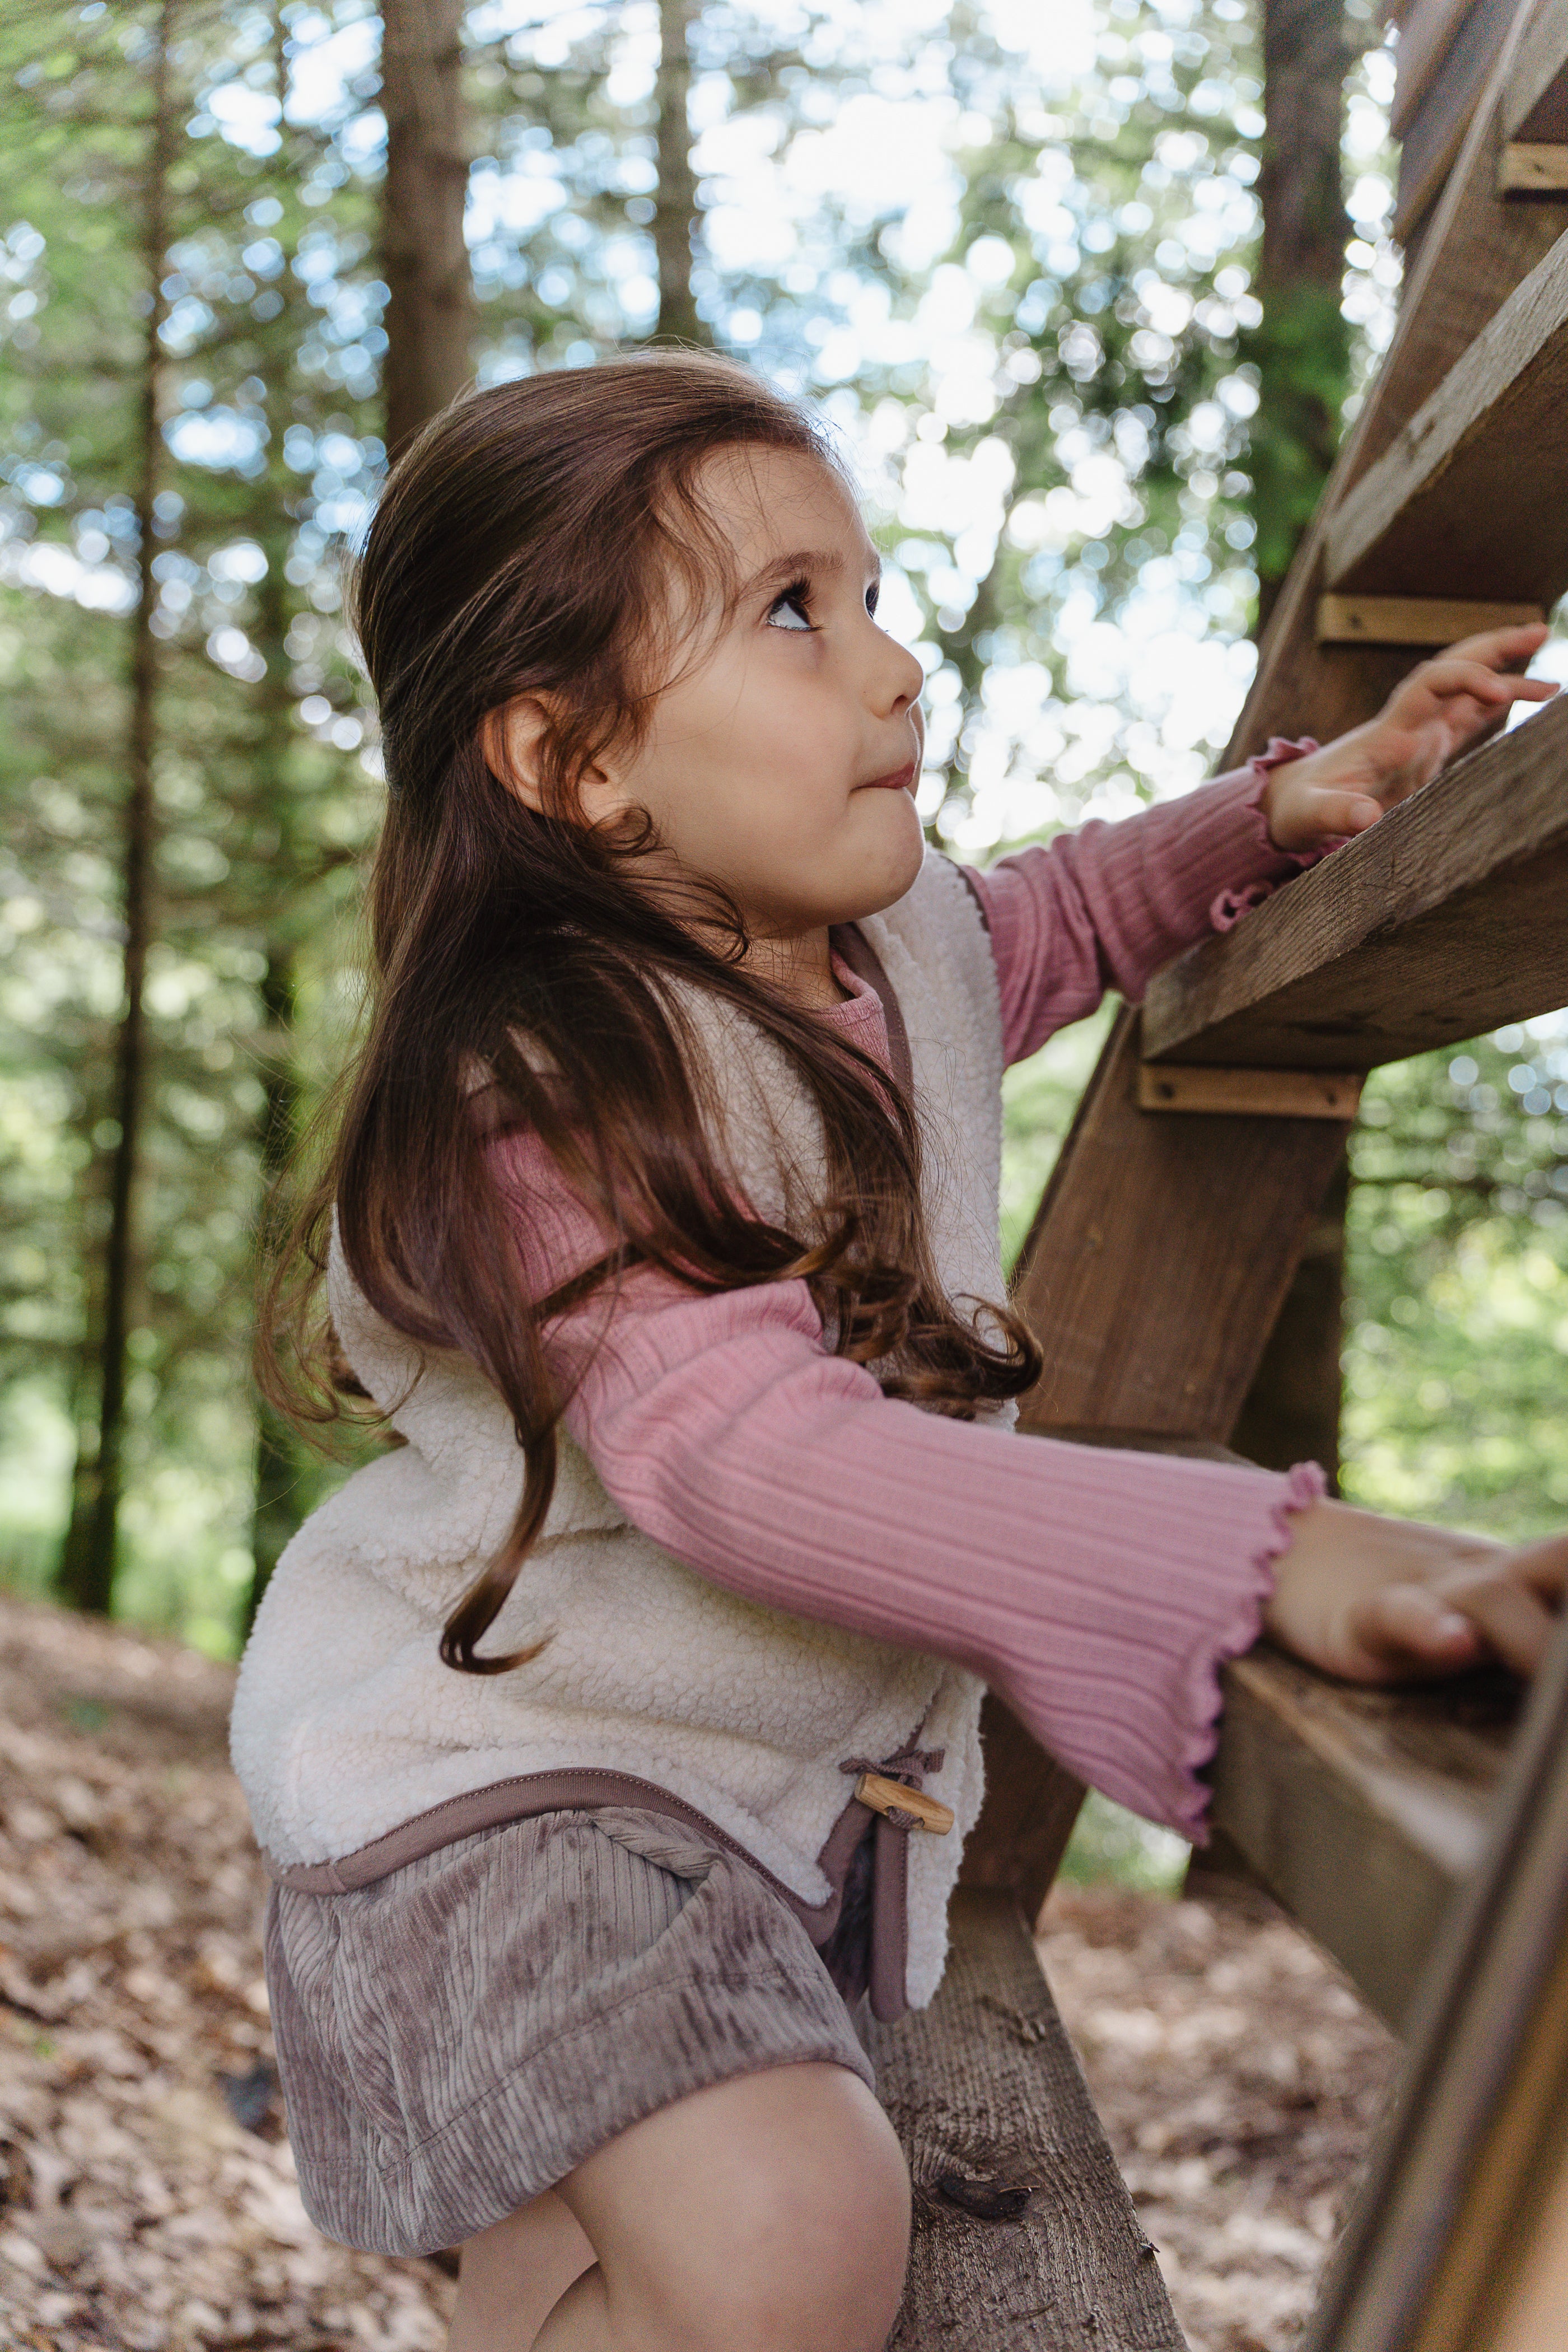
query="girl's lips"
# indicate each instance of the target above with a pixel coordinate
(902, 779)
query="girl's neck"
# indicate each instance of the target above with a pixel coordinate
(799, 968)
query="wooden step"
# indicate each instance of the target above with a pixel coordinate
(1024, 2237)
(1535, 101)
(1472, 497)
(1459, 2241)
(1448, 917)
(1363, 1811)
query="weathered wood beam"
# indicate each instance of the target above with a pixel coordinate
(1427, 34)
(1459, 2239)
(1474, 252)
(1415, 621)
(1024, 2237)
(1444, 920)
(1535, 98)
(1434, 130)
(1159, 1258)
(1363, 1811)
(1209, 1092)
(1531, 170)
(1471, 498)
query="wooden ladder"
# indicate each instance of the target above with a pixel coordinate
(1413, 1836)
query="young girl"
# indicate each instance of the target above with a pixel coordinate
(614, 1738)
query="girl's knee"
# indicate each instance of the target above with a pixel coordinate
(773, 2216)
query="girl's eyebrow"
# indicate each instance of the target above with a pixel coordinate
(812, 560)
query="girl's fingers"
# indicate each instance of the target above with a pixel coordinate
(1516, 1624)
(1497, 648)
(1542, 1567)
(1509, 1610)
(1343, 814)
(1402, 1627)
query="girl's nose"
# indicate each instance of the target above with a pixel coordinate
(898, 678)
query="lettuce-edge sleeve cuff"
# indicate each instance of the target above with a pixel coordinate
(1230, 905)
(1304, 1485)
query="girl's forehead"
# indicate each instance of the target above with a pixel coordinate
(770, 501)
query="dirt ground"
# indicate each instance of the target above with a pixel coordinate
(147, 2199)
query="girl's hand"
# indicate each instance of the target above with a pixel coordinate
(1440, 709)
(1388, 1601)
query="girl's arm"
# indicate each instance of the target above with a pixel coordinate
(1108, 905)
(1097, 1591)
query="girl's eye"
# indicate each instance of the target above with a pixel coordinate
(792, 609)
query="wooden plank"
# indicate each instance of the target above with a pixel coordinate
(1474, 252)
(1427, 34)
(1435, 130)
(1363, 1811)
(1445, 919)
(1160, 1256)
(1535, 99)
(1451, 2240)
(1263, 1094)
(1449, 506)
(1031, 1804)
(1526, 169)
(1044, 2253)
(1413, 621)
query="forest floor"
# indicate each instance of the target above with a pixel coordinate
(147, 2199)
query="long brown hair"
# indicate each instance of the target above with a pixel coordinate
(525, 545)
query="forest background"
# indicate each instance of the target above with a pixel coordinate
(1039, 267)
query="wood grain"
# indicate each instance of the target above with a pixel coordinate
(1434, 129)
(1262, 1094)
(1471, 498)
(1031, 1804)
(1528, 170)
(1363, 1811)
(1444, 920)
(1474, 252)
(1427, 34)
(1160, 1256)
(1445, 2227)
(1535, 98)
(1413, 621)
(986, 2094)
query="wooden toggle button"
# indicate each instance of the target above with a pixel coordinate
(884, 1796)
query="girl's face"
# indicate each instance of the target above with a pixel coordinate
(783, 761)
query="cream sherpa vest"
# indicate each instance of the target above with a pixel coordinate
(346, 1723)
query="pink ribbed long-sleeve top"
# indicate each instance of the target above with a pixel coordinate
(1097, 1591)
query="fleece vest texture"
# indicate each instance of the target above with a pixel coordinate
(346, 1723)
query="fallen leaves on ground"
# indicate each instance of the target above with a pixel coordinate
(147, 2196)
(1239, 2080)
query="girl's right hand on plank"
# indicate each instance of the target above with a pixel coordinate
(1438, 711)
(1388, 1601)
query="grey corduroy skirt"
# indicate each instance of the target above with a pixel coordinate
(459, 2035)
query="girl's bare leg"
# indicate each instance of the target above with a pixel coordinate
(768, 2214)
(513, 2276)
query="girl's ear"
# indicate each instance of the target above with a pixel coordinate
(513, 739)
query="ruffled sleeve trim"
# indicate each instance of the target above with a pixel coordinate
(1230, 905)
(1304, 1485)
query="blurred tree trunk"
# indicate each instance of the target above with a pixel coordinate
(1301, 352)
(429, 310)
(88, 1560)
(275, 1512)
(674, 205)
(275, 1506)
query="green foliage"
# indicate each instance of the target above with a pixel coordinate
(1457, 1362)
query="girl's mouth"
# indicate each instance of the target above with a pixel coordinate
(902, 779)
